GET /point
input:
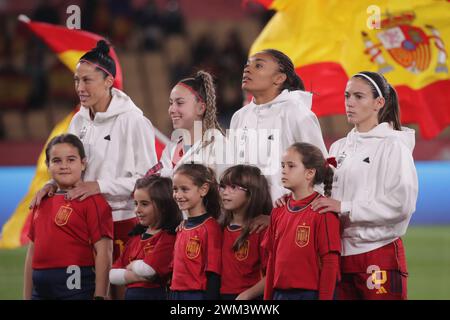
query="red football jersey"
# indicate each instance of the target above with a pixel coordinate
(296, 241)
(156, 251)
(241, 269)
(64, 231)
(197, 250)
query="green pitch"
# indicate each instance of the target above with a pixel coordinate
(427, 250)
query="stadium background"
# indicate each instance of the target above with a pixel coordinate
(159, 42)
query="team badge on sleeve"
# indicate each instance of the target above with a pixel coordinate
(193, 247)
(242, 253)
(63, 215)
(302, 236)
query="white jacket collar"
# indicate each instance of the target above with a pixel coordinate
(285, 96)
(120, 103)
(384, 129)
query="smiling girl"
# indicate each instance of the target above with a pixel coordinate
(145, 265)
(70, 253)
(197, 255)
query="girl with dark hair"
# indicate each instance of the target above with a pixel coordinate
(245, 195)
(193, 100)
(145, 264)
(118, 139)
(374, 192)
(278, 115)
(81, 230)
(197, 254)
(303, 245)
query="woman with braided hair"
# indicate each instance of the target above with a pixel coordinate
(198, 137)
(278, 116)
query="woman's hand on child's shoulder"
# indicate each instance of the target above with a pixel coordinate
(323, 205)
(48, 190)
(259, 223)
(83, 190)
(281, 202)
(180, 226)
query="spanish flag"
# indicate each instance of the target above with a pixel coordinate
(329, 41)
(70, 46)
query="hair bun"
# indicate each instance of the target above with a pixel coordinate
(102, 47)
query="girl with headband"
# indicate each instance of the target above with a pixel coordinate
(192, 104)
(374, 191)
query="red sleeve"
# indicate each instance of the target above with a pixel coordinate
(99, 218)
(328, 234)
(328, 276)
(268, 247)
(161, 258)
(263, 254)
(124, 259)
(31, 230)
(214, 248)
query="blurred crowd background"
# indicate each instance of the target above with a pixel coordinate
(158, 43)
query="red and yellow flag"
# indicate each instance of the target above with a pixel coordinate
(329, 41)
(70, 46)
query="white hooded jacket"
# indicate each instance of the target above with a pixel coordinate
(278, 124)
(376, 182)
(120, 148)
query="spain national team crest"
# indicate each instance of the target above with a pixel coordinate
(193, 247)
(148, 248)
(242, 253)
(302, 236)
(408, 45)
(63, 215)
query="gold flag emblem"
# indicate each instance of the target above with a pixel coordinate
(302, 236)
(63, 215)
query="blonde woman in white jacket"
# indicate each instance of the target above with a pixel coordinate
(374, 191)
(278, 116)
(118, 139)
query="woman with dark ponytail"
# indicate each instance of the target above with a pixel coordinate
(374, 192)
(303, 245)
(118, 138)
(278, 116)
(192, 105)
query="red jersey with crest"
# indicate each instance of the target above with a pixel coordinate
(296, 240)
(197, 250)
(156, 251)
(243, 268)
(64, 231)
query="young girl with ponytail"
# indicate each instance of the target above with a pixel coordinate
(374, 192)
(303, 245)
(278, 116)
(192, 104)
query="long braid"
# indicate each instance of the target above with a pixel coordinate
(210, 117)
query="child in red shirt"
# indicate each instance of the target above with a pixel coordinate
(145, 264)
(245, 195)
(303, 245)
(197, 255)
(69, 238)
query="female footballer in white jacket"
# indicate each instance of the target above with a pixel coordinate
(119, 141)
(278, 116)
(374, 191)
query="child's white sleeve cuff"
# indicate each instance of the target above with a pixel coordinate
(117, 276)
(140, 268)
